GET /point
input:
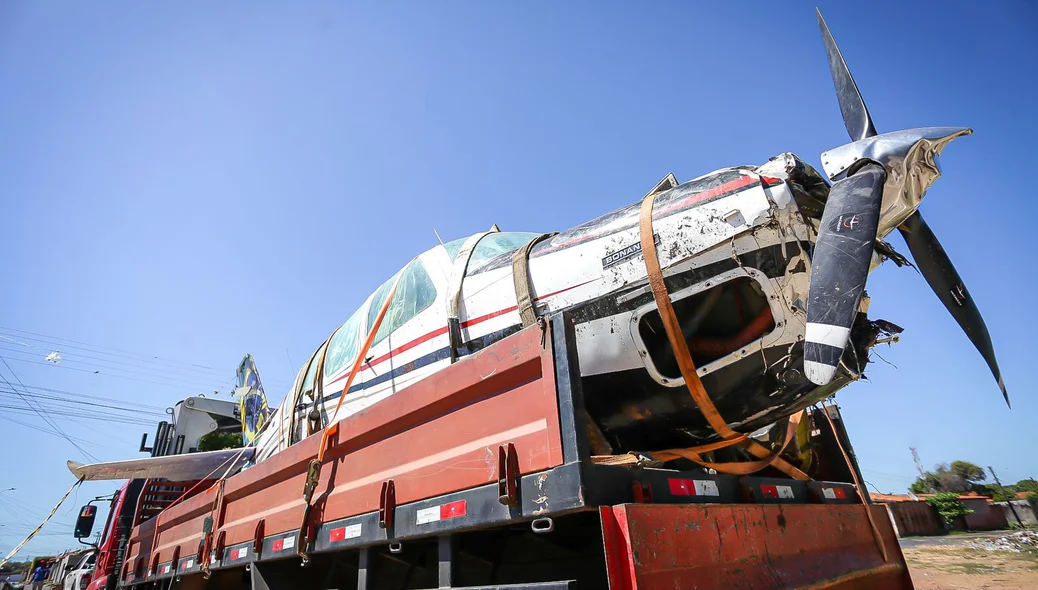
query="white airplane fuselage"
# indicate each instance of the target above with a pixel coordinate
(739, 230)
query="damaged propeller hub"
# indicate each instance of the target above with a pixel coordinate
(910, 160)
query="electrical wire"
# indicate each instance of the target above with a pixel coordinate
(194, 382)
(69, 404)
(142, 357)
(87, 396)
(181, 368)
(78, 395)
(53, 424)
(41, 525)
(37, 428)
(98, 372)
(66, 400)
(111, 418)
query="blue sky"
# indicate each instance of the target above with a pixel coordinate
(191, 183)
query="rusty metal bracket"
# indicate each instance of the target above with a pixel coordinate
(303, 538)
(387, 504)
(313, 477)
(508, 475)
(154, 565)
(257, 537)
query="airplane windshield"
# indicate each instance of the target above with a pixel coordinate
(497, 244)
(342, 350)
(454, 247)
(414, 294)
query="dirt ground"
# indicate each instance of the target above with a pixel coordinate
(949, 564)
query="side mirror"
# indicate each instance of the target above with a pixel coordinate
(85, 522)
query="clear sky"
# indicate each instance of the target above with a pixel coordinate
(191, 183)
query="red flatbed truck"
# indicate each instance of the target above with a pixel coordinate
(481, 476)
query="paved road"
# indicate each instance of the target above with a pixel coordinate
(912, 542)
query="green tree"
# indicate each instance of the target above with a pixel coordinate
(1026, 485)
(960, 477)
(921, 486)
(948, 506)
(970, 473)
(998, 495)
(218, 441)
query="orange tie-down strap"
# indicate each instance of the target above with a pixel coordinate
(313, 475)
(695, 385)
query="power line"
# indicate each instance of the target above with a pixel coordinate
(191, 381)
(79, 394)
(67, 400)
(98, 346)
(38, 413)
(37, 428)
(139, 407)
(110, 418)
(98, 372)
(59, 408)
(114, 364)
(202, 371)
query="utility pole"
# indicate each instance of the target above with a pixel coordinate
(1010, 502)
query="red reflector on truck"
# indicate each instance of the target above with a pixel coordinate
(693, 487)
(442, 512)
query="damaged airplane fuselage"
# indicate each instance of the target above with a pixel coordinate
(735, 248)
(765, 268)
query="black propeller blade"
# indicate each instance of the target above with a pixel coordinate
(937, 269)
(929, 256)
(852, 106)
(840, 265)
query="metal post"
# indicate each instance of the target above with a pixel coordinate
(363, 569)
(1010, 501)
(446, 551)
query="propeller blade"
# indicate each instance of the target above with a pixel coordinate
(936, 267)
(839, 267)
(852, 105)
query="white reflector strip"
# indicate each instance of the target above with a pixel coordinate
(706, 487)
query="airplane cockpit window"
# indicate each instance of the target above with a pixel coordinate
(496, 244)
(342, 349)
(454, 247)
(311, 371)
(414, 294)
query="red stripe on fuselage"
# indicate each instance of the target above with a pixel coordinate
(443, 330)
(730, 186)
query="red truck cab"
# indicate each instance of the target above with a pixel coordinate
(114, 536)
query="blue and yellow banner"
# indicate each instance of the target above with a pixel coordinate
(253, 404)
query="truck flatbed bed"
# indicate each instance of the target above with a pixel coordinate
(480, 476)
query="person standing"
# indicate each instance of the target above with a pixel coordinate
(39, 575)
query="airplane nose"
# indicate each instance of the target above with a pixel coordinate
(910, 159)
